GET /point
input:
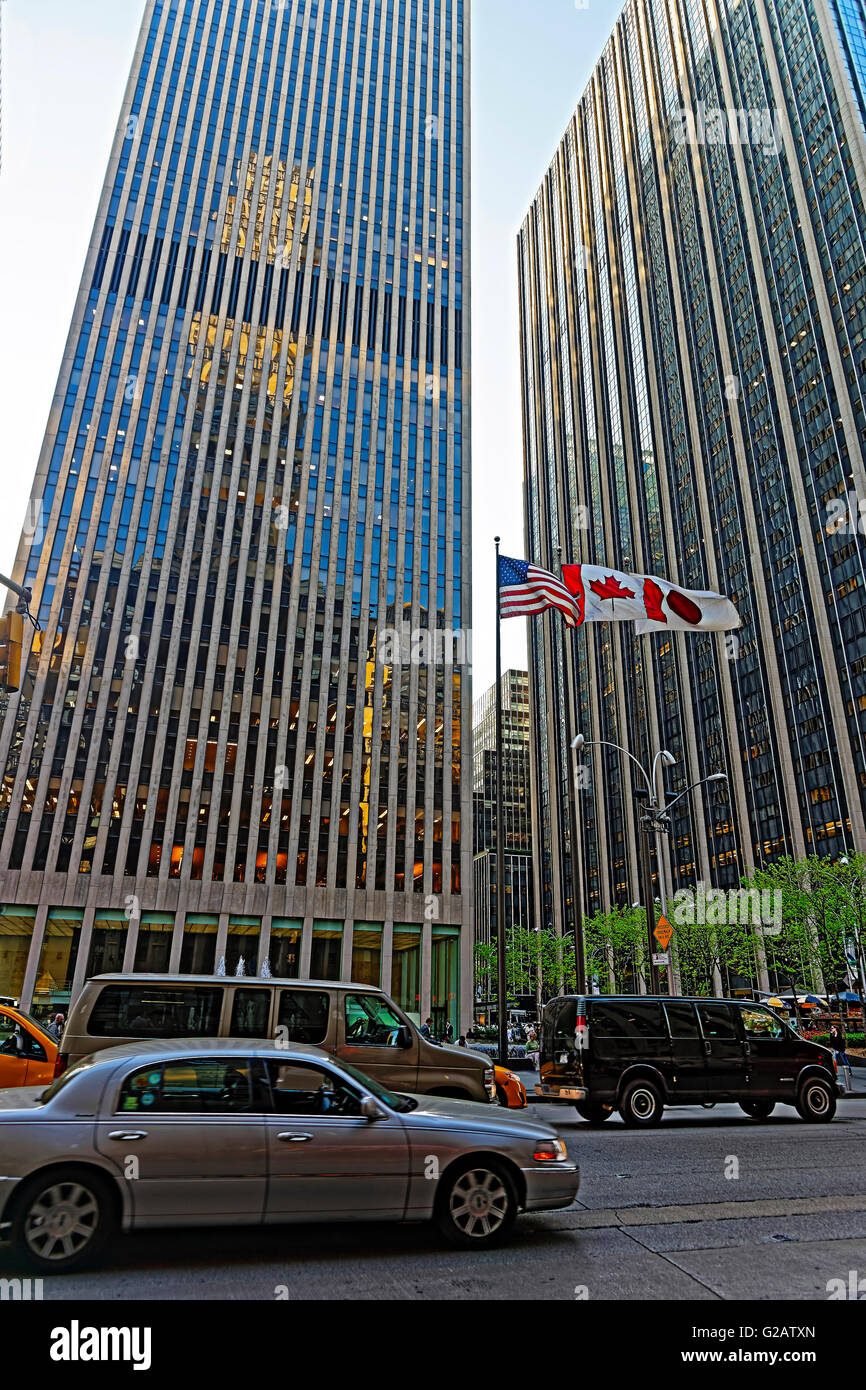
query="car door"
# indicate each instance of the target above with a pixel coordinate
(325, 1159)
(189, 1136)
(688, 1058)
(13, 1051)
(723, 1048)
(770, 1053)
(371, 1041)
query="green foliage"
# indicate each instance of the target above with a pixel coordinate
(823, 903)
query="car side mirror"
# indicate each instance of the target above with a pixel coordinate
(404, 1036)
(371, 1111)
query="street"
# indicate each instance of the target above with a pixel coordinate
(711, 1205)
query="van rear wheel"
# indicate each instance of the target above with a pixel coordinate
(816, 1102)
(758, 1109)
(641, 1105)
(593, 1111)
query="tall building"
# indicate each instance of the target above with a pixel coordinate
(518, 906)
(693, 304)
(255, 474)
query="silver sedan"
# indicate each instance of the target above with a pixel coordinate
(226, 1132)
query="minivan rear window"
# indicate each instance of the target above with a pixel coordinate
(303, 1016)
(626, 1020)
(152, 1011)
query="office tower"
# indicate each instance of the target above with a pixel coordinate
(255, 473)
(518, 906)
(693, 298)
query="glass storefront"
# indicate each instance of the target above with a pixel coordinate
(367, 953)
(445, 975)
(107, 943)
(327, 951)
(406, 970)
(198, 953)
(284, 952)
(57, 960)
(242, 944)
(16, 935)
(153, 948)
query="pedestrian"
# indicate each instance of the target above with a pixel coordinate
(427, 1030)
(839, 1042)
(449, 1032)
(461, 1041)
(55, 1027)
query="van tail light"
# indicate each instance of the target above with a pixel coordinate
(61, 1062)
(581, 1032)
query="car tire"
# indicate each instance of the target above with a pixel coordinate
(78, 1205)
(476, 1205)
(758, 1109)
(641, 1105)
(816, 1101)
(593, 1111)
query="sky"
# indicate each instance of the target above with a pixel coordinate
(65, 65)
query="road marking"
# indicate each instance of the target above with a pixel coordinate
(708, 1211)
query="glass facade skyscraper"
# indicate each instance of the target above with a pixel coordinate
(693, 307)
(255, 470)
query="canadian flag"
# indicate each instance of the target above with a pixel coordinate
(652, 604)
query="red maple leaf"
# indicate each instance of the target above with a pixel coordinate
(611, 588)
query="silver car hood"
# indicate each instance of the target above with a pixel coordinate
(470, 1114)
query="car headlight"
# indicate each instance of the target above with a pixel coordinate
(550, 1151)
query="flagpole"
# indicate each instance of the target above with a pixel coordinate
(501, 992)
(576, 846)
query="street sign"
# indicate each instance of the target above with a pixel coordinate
(663, 933)
(661, 959)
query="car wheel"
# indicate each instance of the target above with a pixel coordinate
(758, 1109)
(476, 1205)
(63, 1221)
(816, 1102)
(593, 1111)
(641, 1105)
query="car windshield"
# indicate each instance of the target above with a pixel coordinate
(393, 1099)
(64, 1079)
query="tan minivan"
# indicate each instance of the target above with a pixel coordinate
(356, 1023)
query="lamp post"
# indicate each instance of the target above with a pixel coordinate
(654, 818)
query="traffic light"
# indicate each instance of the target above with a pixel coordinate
(11, 641)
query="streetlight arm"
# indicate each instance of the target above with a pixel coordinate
(603, 743)
(702, 782)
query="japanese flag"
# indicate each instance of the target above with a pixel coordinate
(652, 604)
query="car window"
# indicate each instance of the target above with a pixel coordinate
(682, 1019)
(761, 1023)
(194, 1086)
(303, 1016)
(626, 1020)
(371, 1022)
(154, 1011)
(298, 1089)
(251, 1010)
(717, 1021)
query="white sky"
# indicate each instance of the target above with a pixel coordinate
(65, 64)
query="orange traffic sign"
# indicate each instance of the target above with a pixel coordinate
(663, 933)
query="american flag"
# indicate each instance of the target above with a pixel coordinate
(524, 589)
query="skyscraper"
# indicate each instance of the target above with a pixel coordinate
(519, 905)
(693, 303)
(255, 471)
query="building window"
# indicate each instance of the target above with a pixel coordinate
(367, 954)
(199, 944)
(242, 944)
(284, 951)
(57, 961)
(153, 948)
(16, 935)
(327, 951)
(107, 944)
(406, 971)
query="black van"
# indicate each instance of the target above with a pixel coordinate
(636, 1054)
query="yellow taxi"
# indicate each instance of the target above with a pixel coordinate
(27, 1052)
(510, 1090)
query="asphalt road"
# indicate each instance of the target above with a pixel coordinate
(711, 1206)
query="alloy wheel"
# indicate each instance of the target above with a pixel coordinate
(478, 1203)
(61, 1221)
